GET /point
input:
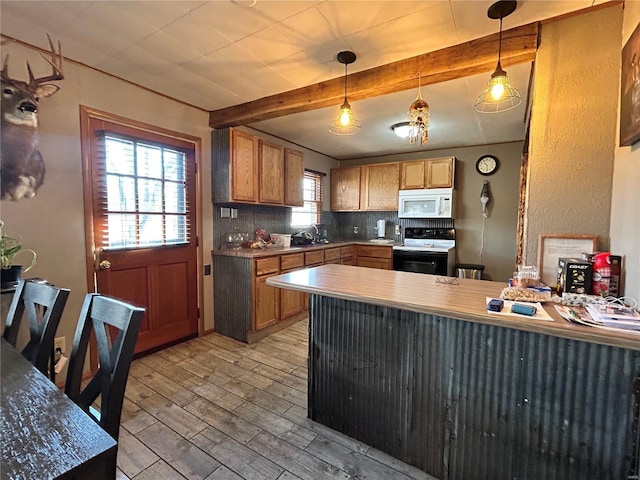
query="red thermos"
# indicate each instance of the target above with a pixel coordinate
(606, 274)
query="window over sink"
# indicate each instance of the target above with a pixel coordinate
(313, 191)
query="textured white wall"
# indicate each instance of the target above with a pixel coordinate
(573, 128)
(625, 200)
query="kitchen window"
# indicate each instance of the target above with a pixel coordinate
(311, 212)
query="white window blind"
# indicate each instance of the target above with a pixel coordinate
(144, 201)
(311, 211)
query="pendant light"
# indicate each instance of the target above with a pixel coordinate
(499, 96)
(345, 123)
(419, 118)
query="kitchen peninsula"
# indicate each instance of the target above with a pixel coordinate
(415, 366)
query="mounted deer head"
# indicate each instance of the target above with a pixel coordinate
(22, 167)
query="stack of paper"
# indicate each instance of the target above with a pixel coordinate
(612, 315)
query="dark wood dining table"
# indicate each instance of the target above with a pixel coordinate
(44, 435)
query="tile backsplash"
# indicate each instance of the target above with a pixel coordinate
(339, 225)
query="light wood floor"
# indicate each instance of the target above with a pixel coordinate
(216, 409)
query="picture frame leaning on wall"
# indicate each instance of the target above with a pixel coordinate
(551, 247)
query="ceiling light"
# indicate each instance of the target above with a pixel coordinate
(419, 118)
(499, 95)
(345, 123)
(402, 129)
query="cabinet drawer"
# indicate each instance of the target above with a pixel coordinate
(331, 254)
(267, 265)
(314, 258)
(374, 251)
(346, 261)
(293, 260)
(346, 251)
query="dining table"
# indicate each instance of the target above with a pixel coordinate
(44, 434)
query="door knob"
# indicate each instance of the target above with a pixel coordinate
(105, 265)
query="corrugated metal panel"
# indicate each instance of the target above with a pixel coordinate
(232, 305)
(463, 400)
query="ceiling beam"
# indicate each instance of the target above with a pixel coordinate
(476, 56)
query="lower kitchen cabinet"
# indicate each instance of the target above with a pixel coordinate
(247, 309)
(374, 256)
(266, 302)
(266, 298)
(292, 302)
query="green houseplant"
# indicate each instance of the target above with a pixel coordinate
(10, 247)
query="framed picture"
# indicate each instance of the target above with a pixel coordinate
(630, 91)
(554, 246)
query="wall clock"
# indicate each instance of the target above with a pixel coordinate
(487, 165)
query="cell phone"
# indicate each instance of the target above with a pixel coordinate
(523, 309)
(495, 305)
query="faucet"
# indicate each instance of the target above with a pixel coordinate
(316, 237)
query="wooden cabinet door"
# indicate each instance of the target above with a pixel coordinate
(271, 159)
(345, 189)
(293, 177)
(291, 301)
(266, 299)
(244, 167)
(372, 262)
(440, 173)
(380, 190)
(412, 175)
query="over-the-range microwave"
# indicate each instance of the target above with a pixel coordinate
(427, 203)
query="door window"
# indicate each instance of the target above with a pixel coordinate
(145, 200)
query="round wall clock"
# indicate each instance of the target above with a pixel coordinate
(487, 165)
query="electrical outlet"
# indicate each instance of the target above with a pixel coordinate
(60, 343)
(355, 230)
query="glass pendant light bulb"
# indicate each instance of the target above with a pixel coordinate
(345, 117)
(499, 95)
(497, 90)
(345, 123)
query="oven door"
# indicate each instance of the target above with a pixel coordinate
(435, 263)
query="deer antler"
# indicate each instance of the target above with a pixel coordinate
(55, 62)
(5, 69)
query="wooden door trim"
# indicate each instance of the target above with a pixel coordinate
(87, 114)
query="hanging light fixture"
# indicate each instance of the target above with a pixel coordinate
(499, 95)
(345, 123)
(419, 118)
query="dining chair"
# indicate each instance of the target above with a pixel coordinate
(115, 325)
(42, 304)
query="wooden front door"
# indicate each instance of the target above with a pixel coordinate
(140, 199)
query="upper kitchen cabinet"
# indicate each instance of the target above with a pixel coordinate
(431, 173)
(247, 169)
(235, 166)
(380, 186)
(345, 189)
(293, 177)
(271, 166)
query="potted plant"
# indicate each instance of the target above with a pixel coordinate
(10, 247)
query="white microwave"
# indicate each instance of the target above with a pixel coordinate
(427, 203)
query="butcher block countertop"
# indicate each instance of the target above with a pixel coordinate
(422, 293)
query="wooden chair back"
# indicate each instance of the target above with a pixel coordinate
(42, 304)
(115, 325)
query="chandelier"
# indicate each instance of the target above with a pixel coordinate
(419, 118)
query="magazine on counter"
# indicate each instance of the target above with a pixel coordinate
(591, 316)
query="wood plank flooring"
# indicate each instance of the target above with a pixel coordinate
(213, 408)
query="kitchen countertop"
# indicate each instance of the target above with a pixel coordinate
(421, 293)
(270, 251)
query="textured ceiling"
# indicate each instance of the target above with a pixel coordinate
(214, 54)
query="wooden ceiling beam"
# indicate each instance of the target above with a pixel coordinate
(476, 56)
